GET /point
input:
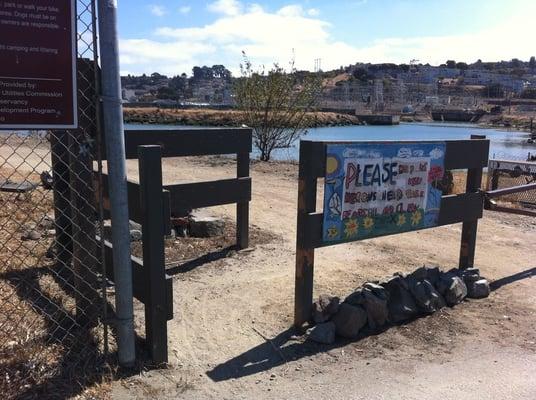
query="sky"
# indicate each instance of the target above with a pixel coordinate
(172, 36)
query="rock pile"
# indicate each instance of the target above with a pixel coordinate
(400, 298)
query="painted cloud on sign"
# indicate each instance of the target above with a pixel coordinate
(404, 152)
(436, 154)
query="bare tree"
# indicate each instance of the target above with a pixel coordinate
(275, 103)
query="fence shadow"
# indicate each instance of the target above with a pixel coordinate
(190, 265)
(496, 284)
(277, 351)
(80, 362)
(281, 349)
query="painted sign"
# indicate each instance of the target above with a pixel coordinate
(377, 189)
(38, 64)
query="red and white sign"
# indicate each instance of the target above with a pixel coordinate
(38, 64)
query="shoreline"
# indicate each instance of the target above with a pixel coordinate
(230, 118)
(221, 118)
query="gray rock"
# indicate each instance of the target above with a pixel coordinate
(324, 308)
(349, 320)
(202, 225)
(426, 296)
(47, 223)
(31, 235)
(478, 289)
(373, 298)
(428, 272)
(135, 235)
(322, 333)
(134, 226)
(452, 288)
(401, 304)
(470, 275)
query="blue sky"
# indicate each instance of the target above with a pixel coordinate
(171, 36)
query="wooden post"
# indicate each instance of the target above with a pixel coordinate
(303, 296)
(63, 243)
(494, 179)
(469, 228)
(83, 212)
(152, 203)
(242, 208)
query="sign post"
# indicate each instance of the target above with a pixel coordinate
(38, 64)
(374, 189)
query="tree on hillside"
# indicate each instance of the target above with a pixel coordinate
(451, 64)
(532, 63)
(275, 104)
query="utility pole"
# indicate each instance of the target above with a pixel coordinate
(115, 151)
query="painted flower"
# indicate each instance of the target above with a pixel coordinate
(368, 223)
(351, 227)
(333, 232)
(416, 218)
(435, 174)
(401, 220)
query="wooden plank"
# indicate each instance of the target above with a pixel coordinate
(190, 142)
(187, 196)
(304, 279)
(151, 201)
(462, 154)
(470, 226)
(454, 209)
(459, 154)
(135, 212)
(242, 207)
(140, 289)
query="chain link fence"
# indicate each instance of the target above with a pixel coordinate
(510, 173)
(53, 333)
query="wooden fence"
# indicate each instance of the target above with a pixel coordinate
(153, 204)
(466, 208)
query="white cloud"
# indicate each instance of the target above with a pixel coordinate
(313, 12)
(226, 7)
(185, 9)
(269, 37)
(292, 10)
(157, 10)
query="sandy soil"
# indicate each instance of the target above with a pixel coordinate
(231, 336)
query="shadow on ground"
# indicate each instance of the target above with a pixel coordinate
(283, 348)
(192, 264)
(67, 346)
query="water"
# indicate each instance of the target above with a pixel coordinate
(504, 144)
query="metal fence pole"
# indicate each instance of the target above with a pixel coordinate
(115, 150)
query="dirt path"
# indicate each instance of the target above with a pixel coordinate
(230, 338)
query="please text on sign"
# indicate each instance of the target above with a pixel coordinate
(380, 189)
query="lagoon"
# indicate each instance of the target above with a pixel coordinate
(504, 144)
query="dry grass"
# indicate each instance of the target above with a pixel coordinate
(222, 117)
(44, 353)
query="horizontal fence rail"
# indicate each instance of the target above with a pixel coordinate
(189, 142)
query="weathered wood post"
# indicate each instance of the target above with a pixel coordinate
(469, 228)
(305, 253)
(83, 209)
(153, 227)
(242, 208)
(63, 243)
